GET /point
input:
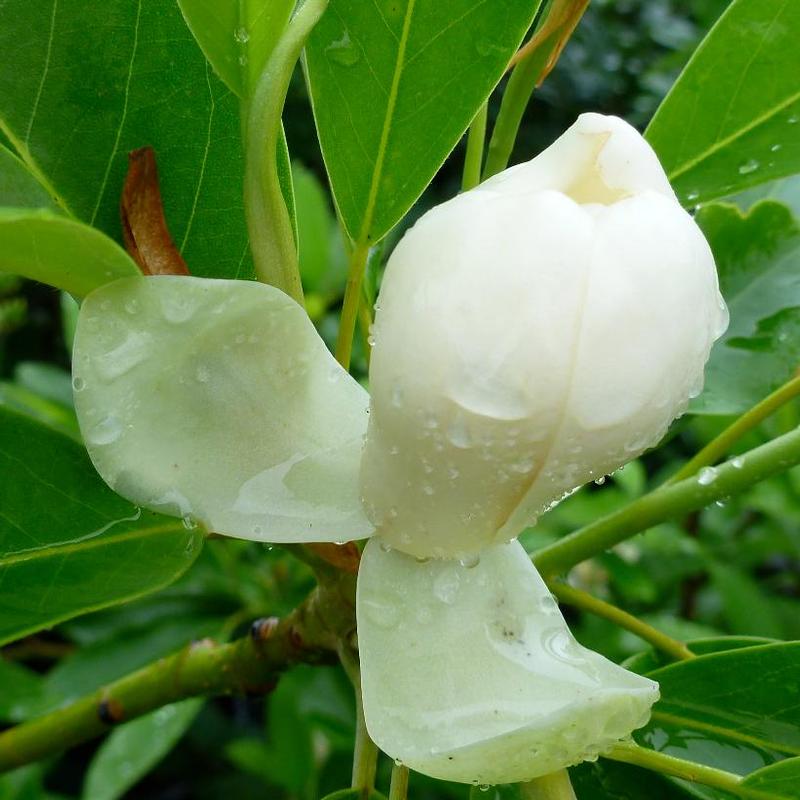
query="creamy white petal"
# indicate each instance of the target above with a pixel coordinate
(471, 674)
(218, 400)
(530, 335)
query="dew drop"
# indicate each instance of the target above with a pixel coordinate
(446, 586)
(132, 306)
(692, 196)
(749, 166)
(343, 51)
(600, 481)
(202, 373)
(707, 476)
(107, 431)
(428, 489)
(241, 35)
(775, 148)
(470, 561)
(385, 546)
(189, 522)
(737, 462)
(382, 612)
(792, 120)
(78, 384)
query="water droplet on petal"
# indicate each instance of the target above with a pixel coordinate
(446, 586)
(470, 561)
(78, 384)
(107, 431)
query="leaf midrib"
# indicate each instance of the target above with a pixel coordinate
(692, 723)
(58, 550)
(380, 156)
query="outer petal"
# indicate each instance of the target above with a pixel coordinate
(218, 400)
(532, 334)
(471, 674)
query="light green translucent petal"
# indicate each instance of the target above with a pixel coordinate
(218, 400)
(471, 674)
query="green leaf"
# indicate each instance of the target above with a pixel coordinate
(729, 710)
(132, 750)
(610, 780)
(394, 84)
(781, 781)
(237, 36)
(20, 688)
(757, 256)
(18, 187)
(26, 402)
(730, 120)
(68, 544)
(649, 660)
(746, 607)
(323, 266)
(54, 249)
(83, 83)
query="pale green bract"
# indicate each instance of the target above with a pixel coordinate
(532, 334)
(217, 400)
(480, 678)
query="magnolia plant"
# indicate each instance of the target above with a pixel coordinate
(217, 401)
(535, 332)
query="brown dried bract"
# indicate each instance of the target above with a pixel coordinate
(144, 228)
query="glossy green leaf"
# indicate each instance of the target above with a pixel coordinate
(731, 119)
(237, 36)
(132, 750)
(394, 84)
(18, 187)
(781, 781)
(51, 248)
(729, 710)
(610, 780)
(68, 544)
(649, 660)
(757, 256)
(83, 83)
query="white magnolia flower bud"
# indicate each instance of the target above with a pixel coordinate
(532, 334)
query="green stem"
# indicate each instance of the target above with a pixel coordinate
(555, 786)
(583, 600)
(268, 222)
(722, 444)
(518, 92)
(532, 64)
(668, 502)
(309, 634)
(631, 753)
(352, 301)
(398, 788)
(365, 752)
(473, 158)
